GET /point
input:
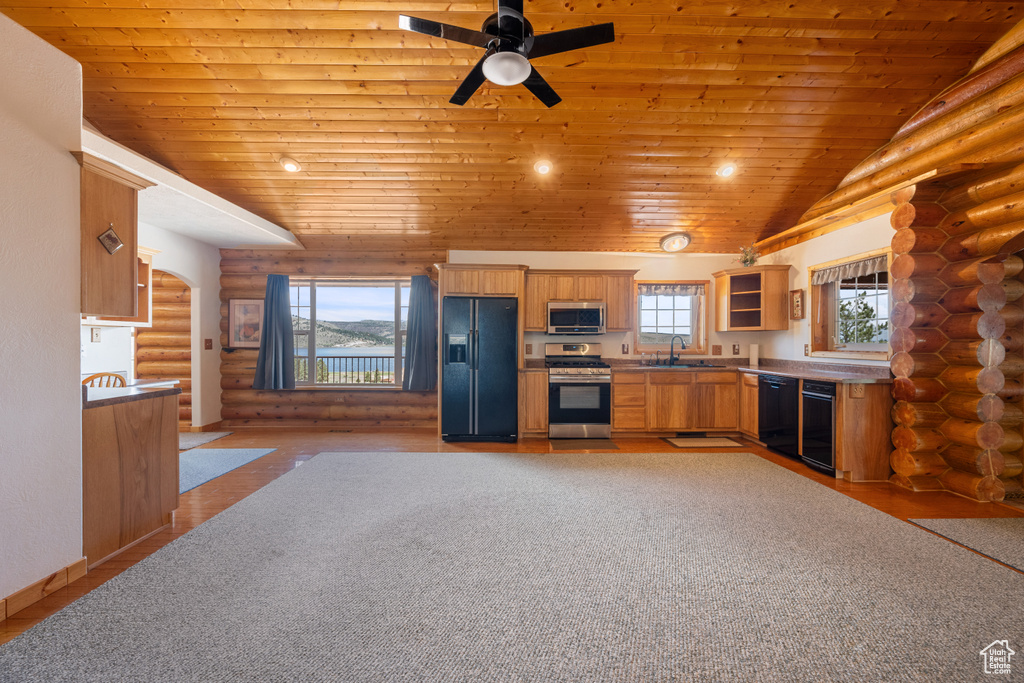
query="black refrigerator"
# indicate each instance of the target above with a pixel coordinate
(479, 378)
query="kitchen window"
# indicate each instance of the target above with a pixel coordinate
(666, 309)
(349, 332)
(850, 307)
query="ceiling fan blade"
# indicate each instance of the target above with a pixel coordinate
(471, 83)
(539, 87)
(572, 39)
(446, 31)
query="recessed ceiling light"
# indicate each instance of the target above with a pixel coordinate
(543, 167)
(676, 241)
(726, 170)
(290, 165)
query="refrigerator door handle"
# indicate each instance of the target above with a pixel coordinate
(444, 349)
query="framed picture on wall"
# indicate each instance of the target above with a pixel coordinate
(245, 323)
(796, 304)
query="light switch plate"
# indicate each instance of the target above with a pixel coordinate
(735, 349)
(625, 349)
(94, 334)
(208, 344)
(807, 349)
(856, 391)
(716, 349)
(529, 349)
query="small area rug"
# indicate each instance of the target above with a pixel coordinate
(583, 445)
(703, 442)
(200, 465)
(553, 567)
(187, 440)
(1001, 538)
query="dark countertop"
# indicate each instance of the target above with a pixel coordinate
(97, 397)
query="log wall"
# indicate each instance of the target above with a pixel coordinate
(957, 336)
(164, 351)
(244, 276)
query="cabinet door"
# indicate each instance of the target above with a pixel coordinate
(748, 404)
(668, 406)
(589, 288)
(621, 302)
(535, 397)
(561, 288)
(499, 282)
(462, 281)
(536, 312)
(109, 281)
(715, 401)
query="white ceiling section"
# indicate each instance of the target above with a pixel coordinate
(180, 206)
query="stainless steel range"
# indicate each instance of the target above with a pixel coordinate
(579, 392)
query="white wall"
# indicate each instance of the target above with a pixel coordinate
(874, 233)
(648, 266)
(112, 353)
(198, 264)
(40, 385)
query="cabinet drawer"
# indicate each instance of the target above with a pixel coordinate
(629, 418)
(629, 395)
(727, 377)
(748, 379)
(627, 378)
(667, 377)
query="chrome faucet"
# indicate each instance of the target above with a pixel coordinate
(672, 349)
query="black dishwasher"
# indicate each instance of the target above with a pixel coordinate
(819, 424)
(778, 407)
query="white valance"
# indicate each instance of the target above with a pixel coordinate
(669, 288)
(868, 266)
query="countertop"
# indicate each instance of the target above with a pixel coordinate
(789, 369)
(97, 397)
(820, 375)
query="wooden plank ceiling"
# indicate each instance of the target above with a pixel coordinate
(795, 92)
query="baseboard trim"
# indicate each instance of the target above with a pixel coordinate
(30, 595)
(212, 427)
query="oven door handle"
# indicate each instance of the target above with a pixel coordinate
(582, 379)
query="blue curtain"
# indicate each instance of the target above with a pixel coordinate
(421, 337)
(275, 368)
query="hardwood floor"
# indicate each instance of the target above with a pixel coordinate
(295, 445)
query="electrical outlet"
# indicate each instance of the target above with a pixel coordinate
(735, 349)
(625, 349)
(807, 349)
(529, 349)
(716, 349)
(208, 344)
(94, 334)
(856, 391)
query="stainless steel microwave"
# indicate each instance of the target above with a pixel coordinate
(576, 317)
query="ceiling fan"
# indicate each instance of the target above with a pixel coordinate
(510, 43)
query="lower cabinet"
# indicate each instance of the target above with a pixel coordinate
(675, 401)
(669, 400)
(629, 401)
(748, 404)
(715, 401)
(533, 401)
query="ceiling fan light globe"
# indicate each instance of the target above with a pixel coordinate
(506, 68)
(676, 241)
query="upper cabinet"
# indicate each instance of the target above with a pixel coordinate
(614, 287)
(110, 272)
(754, 298)
(457, 279)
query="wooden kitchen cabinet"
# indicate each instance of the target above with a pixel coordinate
(755, 298)
(109, 200)
(629, 401)
(714, 401)
(621, 300)
(457, 279)
(748, 404)
(863, 429)
(614, 287)
(669, 400)
(533, 401)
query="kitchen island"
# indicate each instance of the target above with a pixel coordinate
(129, 466)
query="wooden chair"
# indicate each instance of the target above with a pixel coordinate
(104, 379)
